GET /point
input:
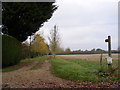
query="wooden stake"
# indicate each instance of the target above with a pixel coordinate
(101, 62)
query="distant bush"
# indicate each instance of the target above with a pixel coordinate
(11, 50)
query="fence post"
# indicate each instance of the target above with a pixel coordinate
(101, 68)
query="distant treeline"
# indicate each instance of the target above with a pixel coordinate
(93, 51)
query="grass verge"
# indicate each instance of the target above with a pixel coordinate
(40, 58)
(10, 69)
(79, 70)
(25, 62)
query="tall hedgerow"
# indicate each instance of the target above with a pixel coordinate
(11, 50)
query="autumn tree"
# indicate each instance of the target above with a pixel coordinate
(38, 45)
(54, 41)
(23, 19)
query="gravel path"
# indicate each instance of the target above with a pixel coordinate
(42, 78)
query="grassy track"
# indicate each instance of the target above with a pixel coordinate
(41, 60)
(10, 69)
(79, 70)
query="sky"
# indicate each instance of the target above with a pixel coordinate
(84, 24)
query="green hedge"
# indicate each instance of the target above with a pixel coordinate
(11, 50)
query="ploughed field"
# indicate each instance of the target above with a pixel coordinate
(64, 71)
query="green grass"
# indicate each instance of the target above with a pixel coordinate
(40, 58)
(10, 69)
(34, 68)
(79, 70)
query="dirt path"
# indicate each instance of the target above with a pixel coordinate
(27, 67)
(42, 78)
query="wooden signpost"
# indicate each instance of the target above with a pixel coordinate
(109, 59)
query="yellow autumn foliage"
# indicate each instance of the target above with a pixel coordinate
(39, 45)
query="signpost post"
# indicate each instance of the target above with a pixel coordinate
(109, 53)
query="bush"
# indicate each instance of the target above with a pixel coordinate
(11, 50)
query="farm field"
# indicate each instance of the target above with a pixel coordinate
(90, 57)
(65, 71)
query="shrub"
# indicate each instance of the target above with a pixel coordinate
(11, 50)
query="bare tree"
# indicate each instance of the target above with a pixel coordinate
(54, 41)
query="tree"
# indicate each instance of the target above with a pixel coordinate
(38, 45)
(25, 50)
(67, 50)
(54, 41)
(60, 50)
(100, 50)
(93, 50)
(22, 19)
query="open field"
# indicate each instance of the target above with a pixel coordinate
(84, 67)
(90, 57)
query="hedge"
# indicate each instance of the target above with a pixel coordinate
(11, 50)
